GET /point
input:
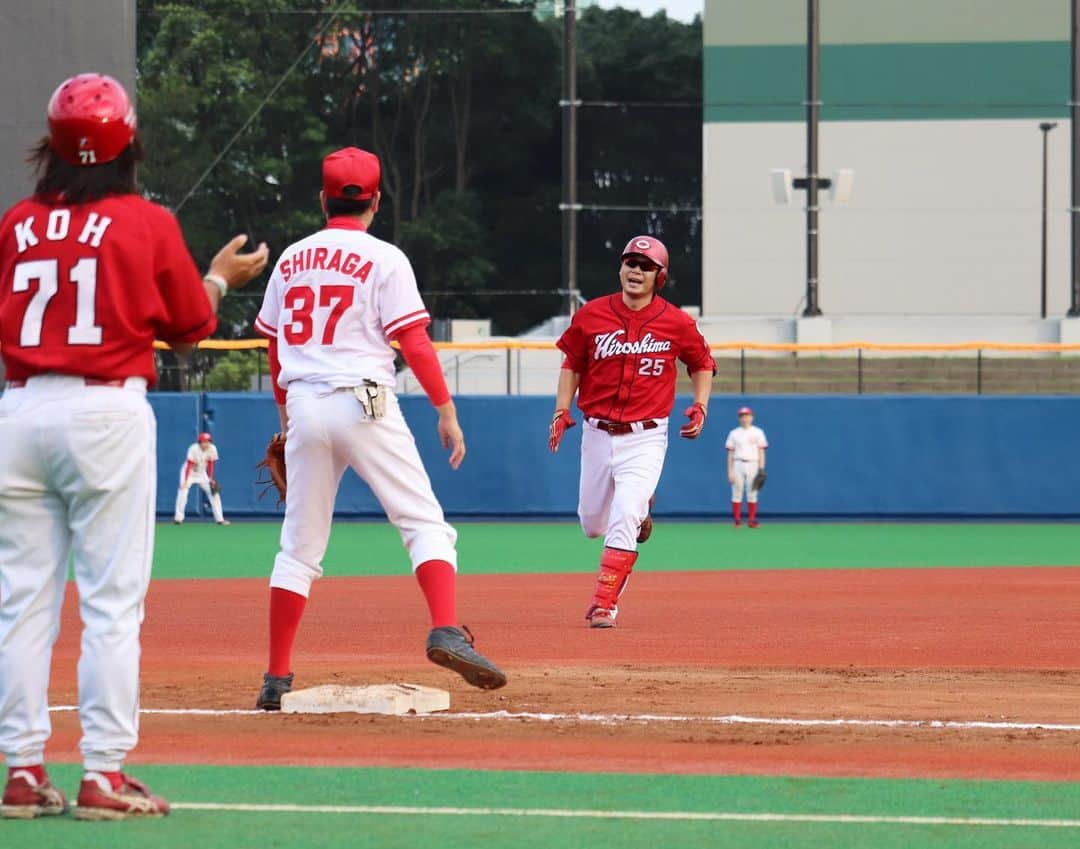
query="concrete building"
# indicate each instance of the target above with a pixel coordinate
(42, 43)
(936, 107)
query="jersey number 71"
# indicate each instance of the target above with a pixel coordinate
(301, 300)
(46, 272)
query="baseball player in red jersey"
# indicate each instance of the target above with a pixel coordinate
(621, 353)
(198, 470)
(90, 274)
(334, 302)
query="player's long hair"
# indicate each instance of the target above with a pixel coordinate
(73, 184)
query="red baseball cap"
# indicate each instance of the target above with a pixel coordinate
(351, 174)
(745, 411)
(205, 437)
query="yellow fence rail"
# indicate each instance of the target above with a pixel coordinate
(527, 345)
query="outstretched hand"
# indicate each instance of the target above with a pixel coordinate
(238, 269)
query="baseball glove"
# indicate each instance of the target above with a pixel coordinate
(759, 480)
(215, 488)
(274, 463)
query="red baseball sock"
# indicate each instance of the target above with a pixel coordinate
(37, 770)
(753, 511)
(438, 580)
(736, 511)
(286, 610)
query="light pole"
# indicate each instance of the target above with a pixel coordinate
(1046, 127)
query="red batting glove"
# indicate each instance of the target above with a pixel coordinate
(696, 413)
(559, 424)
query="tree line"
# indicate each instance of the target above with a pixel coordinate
(463, 111)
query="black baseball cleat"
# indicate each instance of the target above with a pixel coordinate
(273, 688)
(453, 648)
(645, 529)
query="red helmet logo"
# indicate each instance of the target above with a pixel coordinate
(91, 120)
(652, 248)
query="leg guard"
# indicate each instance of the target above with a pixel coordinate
(615, 568)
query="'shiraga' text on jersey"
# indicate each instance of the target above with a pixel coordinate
(334, 301)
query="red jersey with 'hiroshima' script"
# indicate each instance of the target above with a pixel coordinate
(85, 289)
(627, 359)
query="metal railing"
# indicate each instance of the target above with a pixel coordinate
(515, 366)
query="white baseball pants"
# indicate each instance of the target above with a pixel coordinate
(619, 475)
(745, 471)
(77, 479)
(203, 482)
(329, 433)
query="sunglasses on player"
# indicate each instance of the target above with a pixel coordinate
(638, 262)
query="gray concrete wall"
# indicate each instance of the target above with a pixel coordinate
(42, 42)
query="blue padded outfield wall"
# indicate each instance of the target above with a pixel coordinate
(845, 456)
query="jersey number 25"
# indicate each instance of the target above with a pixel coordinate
(301, 300)
(651, 366)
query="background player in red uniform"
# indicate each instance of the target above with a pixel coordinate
(621, 353)
(90, 274)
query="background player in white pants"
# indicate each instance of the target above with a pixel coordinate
(746, 446)
(333, 303)
(198, 470)
(622, 355)
(90, 273)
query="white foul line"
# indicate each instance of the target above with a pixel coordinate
(615, 718)
(686, 816)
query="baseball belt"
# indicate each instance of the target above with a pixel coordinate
(622, 428)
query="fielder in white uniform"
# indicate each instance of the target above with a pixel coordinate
(198, 470)
(334, 302)
(746, 446)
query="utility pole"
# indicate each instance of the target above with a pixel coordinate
(1074, 208)
(569, 103)
(811, 182)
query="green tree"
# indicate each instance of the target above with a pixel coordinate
(463, 112)
(648, 154)
(234, 371)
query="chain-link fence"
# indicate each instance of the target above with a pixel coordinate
(516, 367)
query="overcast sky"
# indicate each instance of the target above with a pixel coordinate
(683, 10)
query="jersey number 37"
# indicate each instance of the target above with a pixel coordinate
(301, 302)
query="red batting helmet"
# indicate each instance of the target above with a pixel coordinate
(651, 248)
(91, 120)
(205, 437)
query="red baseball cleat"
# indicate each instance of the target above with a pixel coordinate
(598, 617)
(98, 800)
(25, 798)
